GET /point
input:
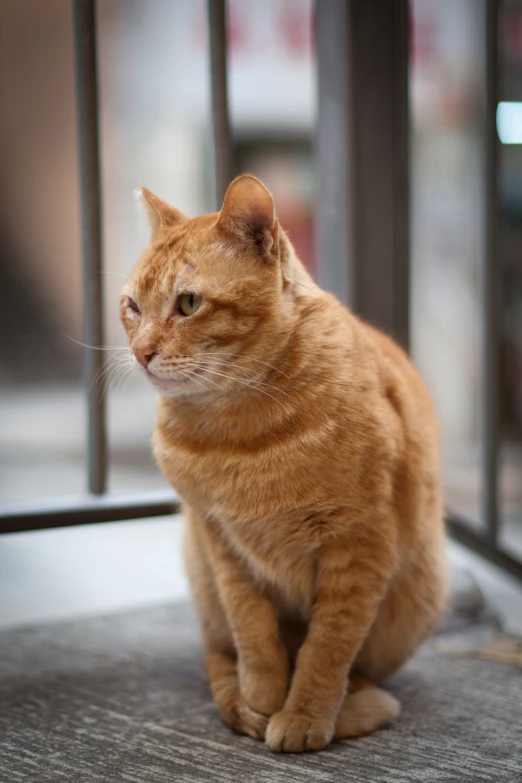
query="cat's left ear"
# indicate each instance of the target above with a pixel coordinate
(159, 213)
(248, 213)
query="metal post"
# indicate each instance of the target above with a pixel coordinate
(88, 132)
(363, 119)
(490, 363)
(334, 154)
(217, 33)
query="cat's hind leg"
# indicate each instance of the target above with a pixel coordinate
(224, 683)
(365, 709)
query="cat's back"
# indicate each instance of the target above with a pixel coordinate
(396, 362)
(401, 385)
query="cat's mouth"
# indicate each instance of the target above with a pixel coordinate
(183, 383)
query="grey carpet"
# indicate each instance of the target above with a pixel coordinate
(124, 698)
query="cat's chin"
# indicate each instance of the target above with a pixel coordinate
(169, 387)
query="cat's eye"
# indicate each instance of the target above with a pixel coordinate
(132, 304)
(188, 304)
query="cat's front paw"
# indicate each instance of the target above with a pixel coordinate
(292, 733)
(264, 693)
(264, 683)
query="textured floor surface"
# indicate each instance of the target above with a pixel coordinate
(124, 698)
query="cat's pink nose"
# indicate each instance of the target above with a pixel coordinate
(144, 354)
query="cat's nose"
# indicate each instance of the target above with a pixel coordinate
(144, 354)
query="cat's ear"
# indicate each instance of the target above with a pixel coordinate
(248, 213)
(159, 213)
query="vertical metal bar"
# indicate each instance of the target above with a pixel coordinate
(490, 360)
(217, 33)
(334, 155)
(90, 179)
(381, 114)
(362, 147)
(401, 172)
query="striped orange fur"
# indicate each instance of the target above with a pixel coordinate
(305, 448)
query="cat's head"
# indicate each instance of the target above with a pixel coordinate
(207, 306)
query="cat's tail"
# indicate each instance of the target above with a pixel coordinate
(365, 709)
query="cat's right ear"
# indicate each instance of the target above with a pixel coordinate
(159, 213)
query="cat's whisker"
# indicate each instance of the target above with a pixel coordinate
(203, 378)
(109, 379)
(97, 347)
(248, 359)
(122, 372)
(123, 381)
(219, 365)
(112, 360)
(255, 381)
(110, 272)
(109, 370)
(242, 359)
(197, 379)
(111, 364)
(110, 373)
(250, 385)
(106, 369)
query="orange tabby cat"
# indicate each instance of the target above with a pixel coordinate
(305, 448)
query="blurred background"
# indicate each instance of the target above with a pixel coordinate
(155, 131)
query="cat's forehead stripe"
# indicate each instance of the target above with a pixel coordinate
(161, 272)
(166, 280)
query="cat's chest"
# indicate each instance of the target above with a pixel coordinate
(234, 487)
(257, 504)
(280, 557)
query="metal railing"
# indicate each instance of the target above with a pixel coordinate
(363, 182)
